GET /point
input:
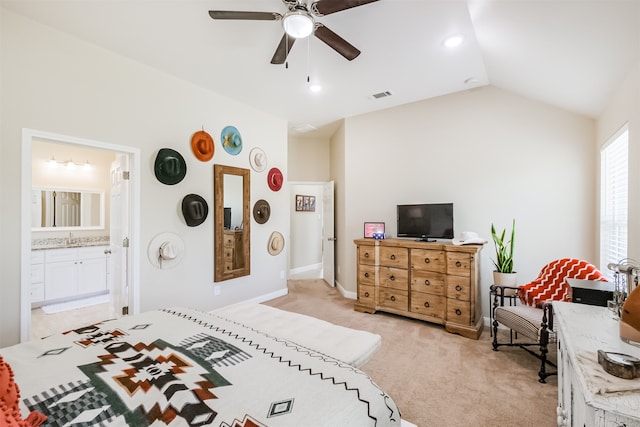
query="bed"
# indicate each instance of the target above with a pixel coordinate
(182, 367)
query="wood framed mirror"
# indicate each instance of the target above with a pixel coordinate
(232, 221)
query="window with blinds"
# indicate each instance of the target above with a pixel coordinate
(614, 165)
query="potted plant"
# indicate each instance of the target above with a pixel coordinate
(503, 274)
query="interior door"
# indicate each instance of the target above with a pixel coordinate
(119, 236)
(328, 235)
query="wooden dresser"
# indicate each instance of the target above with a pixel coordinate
(233, 252)
(435, 282)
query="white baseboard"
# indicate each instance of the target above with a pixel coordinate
(269, 296)
(345, 293)
(305, 268)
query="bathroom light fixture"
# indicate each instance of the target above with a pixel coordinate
(69, 165)
(298, 23)
(52, 163)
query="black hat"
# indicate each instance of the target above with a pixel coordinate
(194, 209)
(261, 211)
(170, 167)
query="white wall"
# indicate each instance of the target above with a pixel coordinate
(308, 159)
(56, 83)
(495, 155)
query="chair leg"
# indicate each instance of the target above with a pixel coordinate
(544, 342)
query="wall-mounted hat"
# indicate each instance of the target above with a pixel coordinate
(261, 211)
(194, 209)
(258, 159)
(202, 145)
(165, 250)
(170, 167)
(469, 238)
(276, 243)
(231, 140)
(275, 179)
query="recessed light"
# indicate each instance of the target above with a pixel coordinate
(453, 41)
(315, 88)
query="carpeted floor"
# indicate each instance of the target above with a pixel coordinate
(437, 378)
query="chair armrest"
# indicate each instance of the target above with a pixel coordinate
(498, 291)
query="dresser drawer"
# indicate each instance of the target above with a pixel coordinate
(229, 240)
(366, 274)
(427, 281)
(394, 257)
(366, 255)
(396, 278)
(429, 304)
(458, 263)
(394, 298)
(428, 259)
(459, 288)
(459, 311)
(367, 295)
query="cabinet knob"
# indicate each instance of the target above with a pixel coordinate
(392, 278)
(458, 264)
(366, 254)
(107, 251)
(458, 288)
(426, 304)
(458, 311)
(427, 260)
(427, 282)
(366, 294)
(366, 274)
(393, 257)
(393, 298)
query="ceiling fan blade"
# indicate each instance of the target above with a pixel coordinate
(251, 16)
(283, 49)
(336, 42)
(326, 7)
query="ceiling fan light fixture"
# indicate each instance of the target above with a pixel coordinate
(453, 41)
(298, 24)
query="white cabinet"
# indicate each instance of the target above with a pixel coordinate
(587, 395)
(72, 272)
(37, 276)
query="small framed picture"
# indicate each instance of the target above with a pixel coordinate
(373, 228)
(305, 203)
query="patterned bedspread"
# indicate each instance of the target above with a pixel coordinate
(182, 367)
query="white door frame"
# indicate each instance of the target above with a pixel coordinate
(25, 254)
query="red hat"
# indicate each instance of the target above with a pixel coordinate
(275, 179)
(202, 145)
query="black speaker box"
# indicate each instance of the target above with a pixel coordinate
(591, 292)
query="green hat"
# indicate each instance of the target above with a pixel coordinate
(170, 167)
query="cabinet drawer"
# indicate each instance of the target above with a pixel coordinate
(396, 278)
(67, 254)
(427, 281)
(394, 257)
(393, 298)
(228, 254)
(366, 255)
(37, 292)
(367, 295)
(431, 305)
(37, 273)
(458, 263)
(228, 240)
(37, 257)
(91, 252)
(459, 311)
(366, 274)
(428, 259)
(458, 287)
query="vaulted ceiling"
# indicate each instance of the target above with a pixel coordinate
(569, 53)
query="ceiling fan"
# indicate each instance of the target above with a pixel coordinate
(300, 22)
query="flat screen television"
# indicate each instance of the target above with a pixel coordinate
(227, 218)
(426, 221)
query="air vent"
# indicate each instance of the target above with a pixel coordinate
(304, 128)
(381, 94)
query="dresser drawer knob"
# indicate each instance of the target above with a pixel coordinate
(366, 294)
(366, 274)
(458, 311)
(393, 298)
(427, 282)
(427, 260)
(392, 278)
(366, 254)
(458, 264)
(393, 257)
(426, 304)
(458, 288)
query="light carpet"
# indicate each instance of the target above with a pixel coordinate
(75, 304)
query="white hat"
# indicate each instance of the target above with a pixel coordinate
(165, 250)
(469, 238)
(276, 243)
(258, 159)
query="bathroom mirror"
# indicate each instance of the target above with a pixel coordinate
(57, 209)
(231, 212)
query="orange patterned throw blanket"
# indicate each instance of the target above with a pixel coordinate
(551, 284)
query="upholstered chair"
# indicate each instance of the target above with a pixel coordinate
(530, 320)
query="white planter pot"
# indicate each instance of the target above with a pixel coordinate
(506, 279)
